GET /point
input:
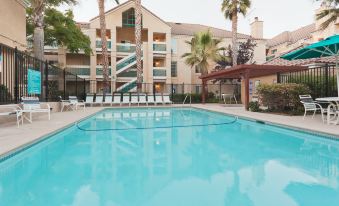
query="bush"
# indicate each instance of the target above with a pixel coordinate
(5, 95)
(282, 97)
(254, 106)
(196, 98)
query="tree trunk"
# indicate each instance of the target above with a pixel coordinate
(235, 35)
(138, 42)
(38, 35)
(106, 84)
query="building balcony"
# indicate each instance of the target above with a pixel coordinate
(81, 70)
(100, 72)
(159, 73)
(159, 47)
(125, 48)
(98, 44)
(128, 74)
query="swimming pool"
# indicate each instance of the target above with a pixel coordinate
(173, 157)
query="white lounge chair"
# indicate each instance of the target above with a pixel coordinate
(32, 105)
(8, 110)
(142, 99)
(125, 99)
(89, 99)
(108, 99)
(167, 99)
(150, 99)
(74, 102)
(65, 104)
(116, 99)
(158, 99)
(311, 106)
(99, 99)
(134, 99)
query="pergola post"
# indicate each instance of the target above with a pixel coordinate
(203, 91)
(247, 89)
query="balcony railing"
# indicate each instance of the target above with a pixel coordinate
(99, 44)
(79, 69)
(159, 47)
(101, 72)
(126, 48)
(128, 74)
(159, 72)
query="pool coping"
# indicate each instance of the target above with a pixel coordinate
(330, 136)
(45, 137)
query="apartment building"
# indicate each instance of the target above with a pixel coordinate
(13, 23)
(291, 40)
(163, 45)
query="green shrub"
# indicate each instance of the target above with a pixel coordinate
(254, 106)
(282, 97)
(5, 95)
(196, 98)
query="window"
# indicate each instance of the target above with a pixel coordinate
(174, 69)
(128, 18)
(174, 46)
(197, 70)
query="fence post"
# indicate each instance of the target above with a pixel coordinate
(84, 94)
(76, 85)
(327, 80)
(64, 83)
(46, 79)
(172, 95)
(16, 70)
(278, 78)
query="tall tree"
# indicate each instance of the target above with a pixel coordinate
(138, 42)
(60, 30)
(38, 9)
(102, 19)
(204, 49)
(231, 9)
(330, 14)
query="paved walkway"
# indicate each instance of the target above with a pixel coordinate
(297, 122)
(12, 137)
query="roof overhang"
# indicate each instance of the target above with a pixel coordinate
(251, 71)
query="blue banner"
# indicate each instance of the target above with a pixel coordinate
(34, 82)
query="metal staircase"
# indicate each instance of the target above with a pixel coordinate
(129, 86)
(126, 63)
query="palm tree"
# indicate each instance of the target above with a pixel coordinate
(330, 14)
(203, 50)
(101, 4)
(138, 41)
(231, 9)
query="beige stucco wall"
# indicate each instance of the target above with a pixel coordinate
(13, 23)
(270, 79)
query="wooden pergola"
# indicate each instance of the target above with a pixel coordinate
(246, 72)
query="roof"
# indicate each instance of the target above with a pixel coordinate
(292, 37)
(252, 70)
(191, 29)
(128, 2)
(298, 62)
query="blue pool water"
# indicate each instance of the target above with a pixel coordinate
(109, 160)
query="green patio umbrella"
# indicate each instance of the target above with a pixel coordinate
(325, 48)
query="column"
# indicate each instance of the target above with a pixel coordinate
(113, 58)
(93, 61)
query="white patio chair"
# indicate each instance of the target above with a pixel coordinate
(76, 103)
(158, 99)
(134, 99)
(150, 99)
(108, 99)
(65, 104)
(116, 99)
(89, 99)
(32, 105)
(125, 99)
(142, 99)
(8, 110)
(99, 99)
(167, 100)
(311, 106)
(332, 114)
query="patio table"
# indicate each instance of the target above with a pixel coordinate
(330, 100)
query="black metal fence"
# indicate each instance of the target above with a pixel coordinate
(177, 92)
(322, 81)
(55, 82)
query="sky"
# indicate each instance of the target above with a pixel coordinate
(278, 15)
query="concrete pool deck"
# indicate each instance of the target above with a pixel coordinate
(12, 138)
